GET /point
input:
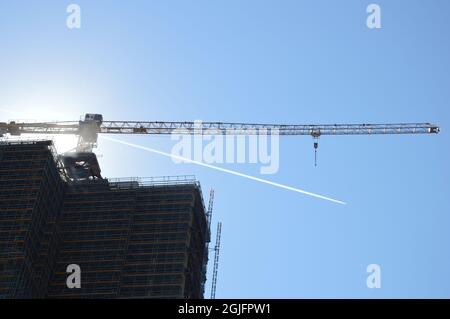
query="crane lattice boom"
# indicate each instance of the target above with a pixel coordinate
(212, 128)
(93, 124)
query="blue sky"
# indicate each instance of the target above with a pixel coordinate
(266, 61)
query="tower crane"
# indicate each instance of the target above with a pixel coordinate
(88, 129)
(83, 163)
(93, 124)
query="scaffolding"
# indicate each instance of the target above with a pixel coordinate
(132, 238)
(31, 195)
(139, 239)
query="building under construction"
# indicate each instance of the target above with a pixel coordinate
(130, 238)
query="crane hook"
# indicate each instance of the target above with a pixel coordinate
(316, 145)
(315, 135)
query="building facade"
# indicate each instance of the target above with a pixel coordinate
(131, 239)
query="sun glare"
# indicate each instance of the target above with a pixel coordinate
(44, 107)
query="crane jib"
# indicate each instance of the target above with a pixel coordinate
(93, 124)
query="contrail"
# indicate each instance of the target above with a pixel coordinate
(225, 170)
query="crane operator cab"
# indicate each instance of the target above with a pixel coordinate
(88, 131)
(89, 117)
